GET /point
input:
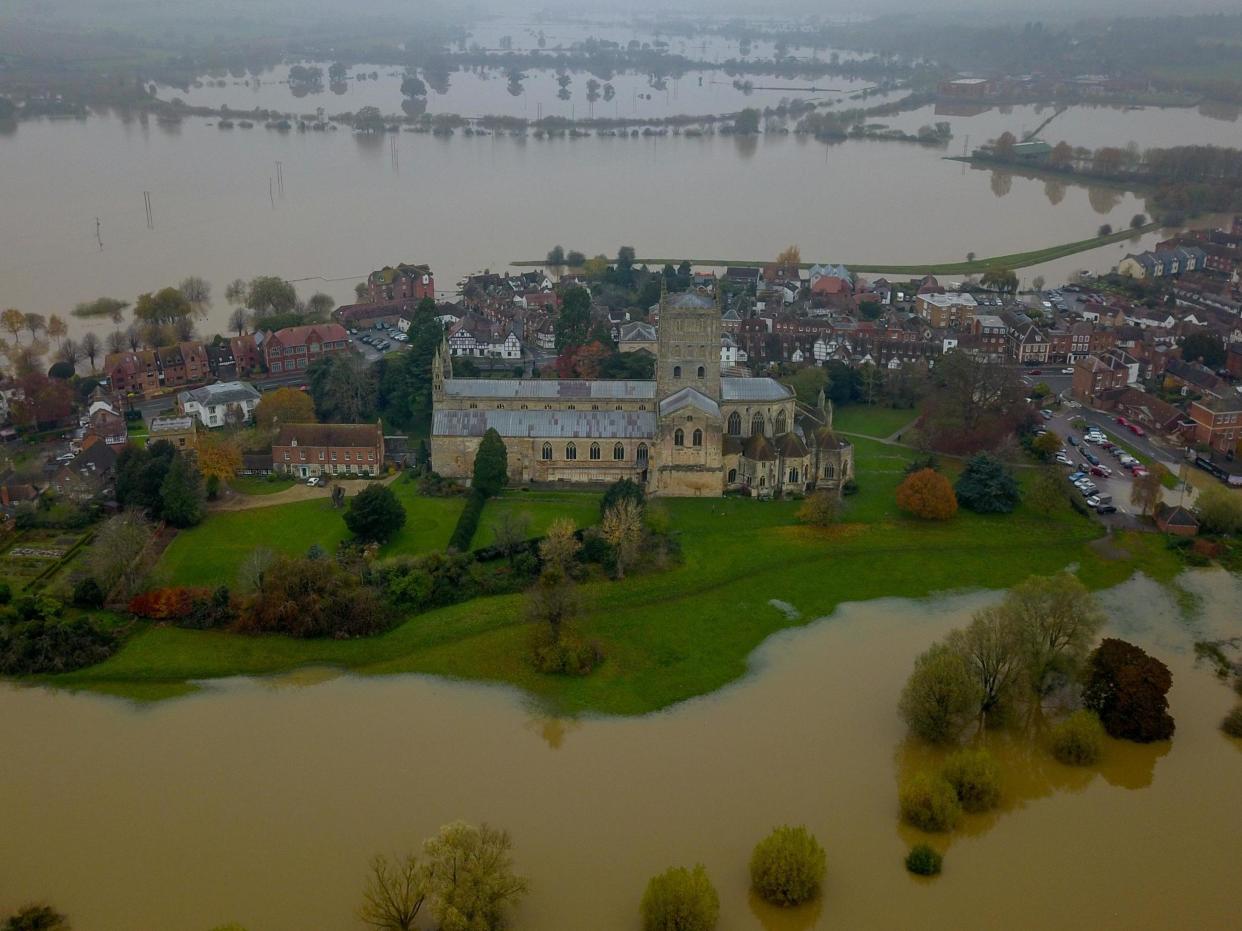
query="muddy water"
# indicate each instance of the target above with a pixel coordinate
(462, 204)
(260, 801)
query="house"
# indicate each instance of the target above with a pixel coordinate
(365, 316)
(1096, 374)
(637, 335)
(307, 449)
(183, 364)
(475, 336)
(88, 473)
(247, 354)
(951, 308)
(744, 275)
(1030, 345)
(132, 372)
(107, 423)
(1162, 263)
(222, 403)
(296, 348)
(1142, 408)
(1176, 520)
(1194, 378)
(1217, 422)
(256, 463)
(403, 283)
(181, 432)
(990, 338)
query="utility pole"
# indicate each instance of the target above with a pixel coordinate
(270, 195)
(280, 178)
(146, 199)
(98, 237)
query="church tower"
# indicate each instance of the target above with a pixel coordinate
(441, 368)
(688, 344)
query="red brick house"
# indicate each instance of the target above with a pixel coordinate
(1176, 520)
(1095, 375)
(403, 283)
(307, 449)
(295, 348)
(1218, 422)
(183, 364)
(132, 372)
(247, 356)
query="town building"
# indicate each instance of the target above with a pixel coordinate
(1162, 264)
(181, 431)
(132, 372)
(296, 348)
(106, 422)
(950, 309)
(1094, 375)
(403, 283)
(308, 449)
(688, 432)
(1217, 422)
(220, 404)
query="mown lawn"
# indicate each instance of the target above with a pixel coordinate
(668, 636)
(880, 422)
(259, 485)
(211, 553)
(540, 508)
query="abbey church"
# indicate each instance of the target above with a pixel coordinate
(690, 432)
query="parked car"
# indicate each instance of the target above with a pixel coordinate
(1091, 459)
(1122, 422)
(1077, 476)
(1046, 414)
(1035, 372)
(1088, 490)
(313, 482)
(1137, 430)
(1064, 460)
(1094, 501)
(1101, 471)
(1067, 371)
(1073, 440)
(1106, 509)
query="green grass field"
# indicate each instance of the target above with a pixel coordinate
(668, 636)
(211, 553)
(540, 508)
(258, 485)
(880, 422)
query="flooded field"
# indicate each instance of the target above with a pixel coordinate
(260, 801)
(351, 204)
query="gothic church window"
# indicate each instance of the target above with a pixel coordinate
(618, 452)
(780, 423)
(679, 437)
(735, 424)
(594, 452)
(697, 439)
(571, 451)
(547, 451)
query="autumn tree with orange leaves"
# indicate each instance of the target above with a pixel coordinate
(927, 494)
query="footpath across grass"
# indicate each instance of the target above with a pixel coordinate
(668, 636)
(870, 420)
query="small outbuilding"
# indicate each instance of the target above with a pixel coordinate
(1176, 520)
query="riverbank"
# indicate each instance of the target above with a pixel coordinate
(688, 631)
(1013, 260)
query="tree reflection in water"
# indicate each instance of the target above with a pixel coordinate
(1054, 191)
(1104, 199)
(775, 918)
(1002, 182)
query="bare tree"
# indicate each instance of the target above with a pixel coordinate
(112, 559)
(394, 894)
(69, 352)
(90, 347)
(253, 568)
(56, 328)
(35, 323)
(510, 531)
(117, 342)
(239, 320)
(235, 291)
(184, 328)
(197, 291)
(133, 337)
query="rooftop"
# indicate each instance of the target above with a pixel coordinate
(550, 389)
(547, 424)
(221, 392)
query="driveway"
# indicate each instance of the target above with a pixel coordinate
(235, 501)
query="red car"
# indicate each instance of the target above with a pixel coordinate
(1035, 372)
(1136, 430)
(1122, 421)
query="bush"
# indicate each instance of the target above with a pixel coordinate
(468, 522)
(680, 900)
(375, 514)
(929, 803)
(88, 594)
(975, 777)
(40, 646)
(624, 489)
(986, 486)
(849, 488)
(565, 653)
(939, 696)
(787, 866)
(927, 494)
(1129, 691)
(312, 598)
(1232, 725)
(923, 860)
(1078, 740)
(166, 604)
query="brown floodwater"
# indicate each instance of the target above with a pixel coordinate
(352, 204)
(260, 801)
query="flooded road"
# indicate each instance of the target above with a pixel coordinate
(260, 801)
(352, 204)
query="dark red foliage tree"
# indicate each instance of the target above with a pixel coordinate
(1128, 690)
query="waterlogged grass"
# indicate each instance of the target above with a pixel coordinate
(687, 631)
(211, 553)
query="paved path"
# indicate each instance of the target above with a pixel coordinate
(235, 501)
